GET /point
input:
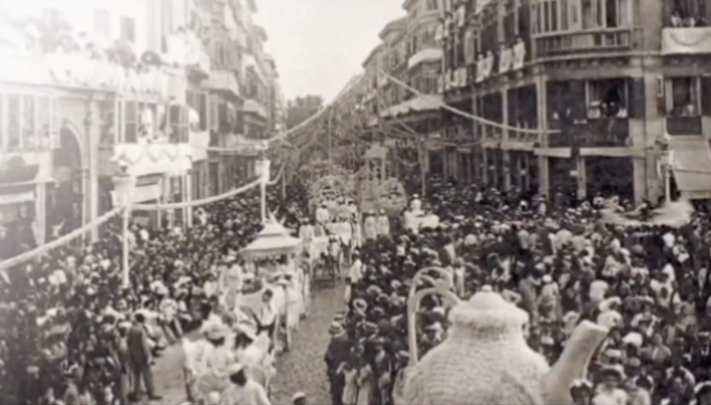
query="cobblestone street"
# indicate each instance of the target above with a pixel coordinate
(301, 369)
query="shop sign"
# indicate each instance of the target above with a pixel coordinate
(505, 59)
(519, 55)
(77, 69)
(199, 142)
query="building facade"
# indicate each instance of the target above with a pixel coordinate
(597, 97)
(140, 88)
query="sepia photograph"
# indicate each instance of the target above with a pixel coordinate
(355, 202)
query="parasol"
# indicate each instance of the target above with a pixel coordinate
(273, 240)
(673, 214)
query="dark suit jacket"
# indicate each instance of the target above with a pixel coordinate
(337, 351)
(139, 352)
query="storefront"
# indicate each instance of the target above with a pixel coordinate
(28, 134)
(162, 173)
(24, 179)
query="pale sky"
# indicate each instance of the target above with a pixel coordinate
(319, 45)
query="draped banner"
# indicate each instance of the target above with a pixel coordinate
(680, 41)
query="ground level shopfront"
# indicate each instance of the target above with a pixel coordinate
(47, 163)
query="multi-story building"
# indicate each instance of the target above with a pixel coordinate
(411, 54)
(595, 97)
(135, 96)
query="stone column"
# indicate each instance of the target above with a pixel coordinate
(189, 197)
(41, 211)
(581, 177)
(90, 171)
(505, 156)
(543, 172)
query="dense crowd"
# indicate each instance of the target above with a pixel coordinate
(648, 284)
(72, 334)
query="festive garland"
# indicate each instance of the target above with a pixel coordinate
(57, 243)
(77, 233)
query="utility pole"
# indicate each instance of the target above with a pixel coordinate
(328, 134)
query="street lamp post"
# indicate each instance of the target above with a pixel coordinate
(262, 169)
(125, 184)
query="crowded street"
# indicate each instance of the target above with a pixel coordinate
(475, 202)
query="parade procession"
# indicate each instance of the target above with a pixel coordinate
(507, 204)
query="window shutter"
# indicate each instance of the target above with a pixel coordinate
(636, 97)
(706, 96)
(213, 113)
(54, 124)
(174, 119)
(575, 99)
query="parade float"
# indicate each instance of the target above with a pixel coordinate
(415, 218)
(288, 283)
(500, 367)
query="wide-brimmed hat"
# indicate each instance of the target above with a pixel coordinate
(235, 368)
(297, 396)
(215, 331)
(336, 328)
(245, 329)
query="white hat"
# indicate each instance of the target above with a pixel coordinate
(235, 368)
(297, 396)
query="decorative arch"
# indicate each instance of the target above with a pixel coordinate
(65, 205)
(70, 140)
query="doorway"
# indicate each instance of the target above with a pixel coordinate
(65, 201)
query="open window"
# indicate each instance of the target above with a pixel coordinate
(607, 99)
(682, 97)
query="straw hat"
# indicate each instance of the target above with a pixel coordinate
(215, 331)
(336, 329)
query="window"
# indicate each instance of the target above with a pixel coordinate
(102, 22)
(682, 97)
(130, 116)
(607, 98)
(689, 13)
(178, 121)
(166, 21)
(214, 113)
(220, 57)
(605, 13)
(128, 29)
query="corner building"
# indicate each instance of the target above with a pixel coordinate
(607, 97)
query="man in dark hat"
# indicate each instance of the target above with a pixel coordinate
(139, 353)
(336, 354)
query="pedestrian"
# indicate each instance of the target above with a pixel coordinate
(243, 390)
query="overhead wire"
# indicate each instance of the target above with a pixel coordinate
(465, 114)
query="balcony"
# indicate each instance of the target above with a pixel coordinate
(683, 126)
(589, 41)
(686, 40)
(252, 106)
(597, 133)
(424, 56)
(222, 80)
(143, 159)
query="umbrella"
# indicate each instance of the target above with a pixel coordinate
(273, 240)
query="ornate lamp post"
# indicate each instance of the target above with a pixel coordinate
(262, 168)
(125, 184)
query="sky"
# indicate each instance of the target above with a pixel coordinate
(318, 45)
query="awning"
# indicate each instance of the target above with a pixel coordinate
(690, 159)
